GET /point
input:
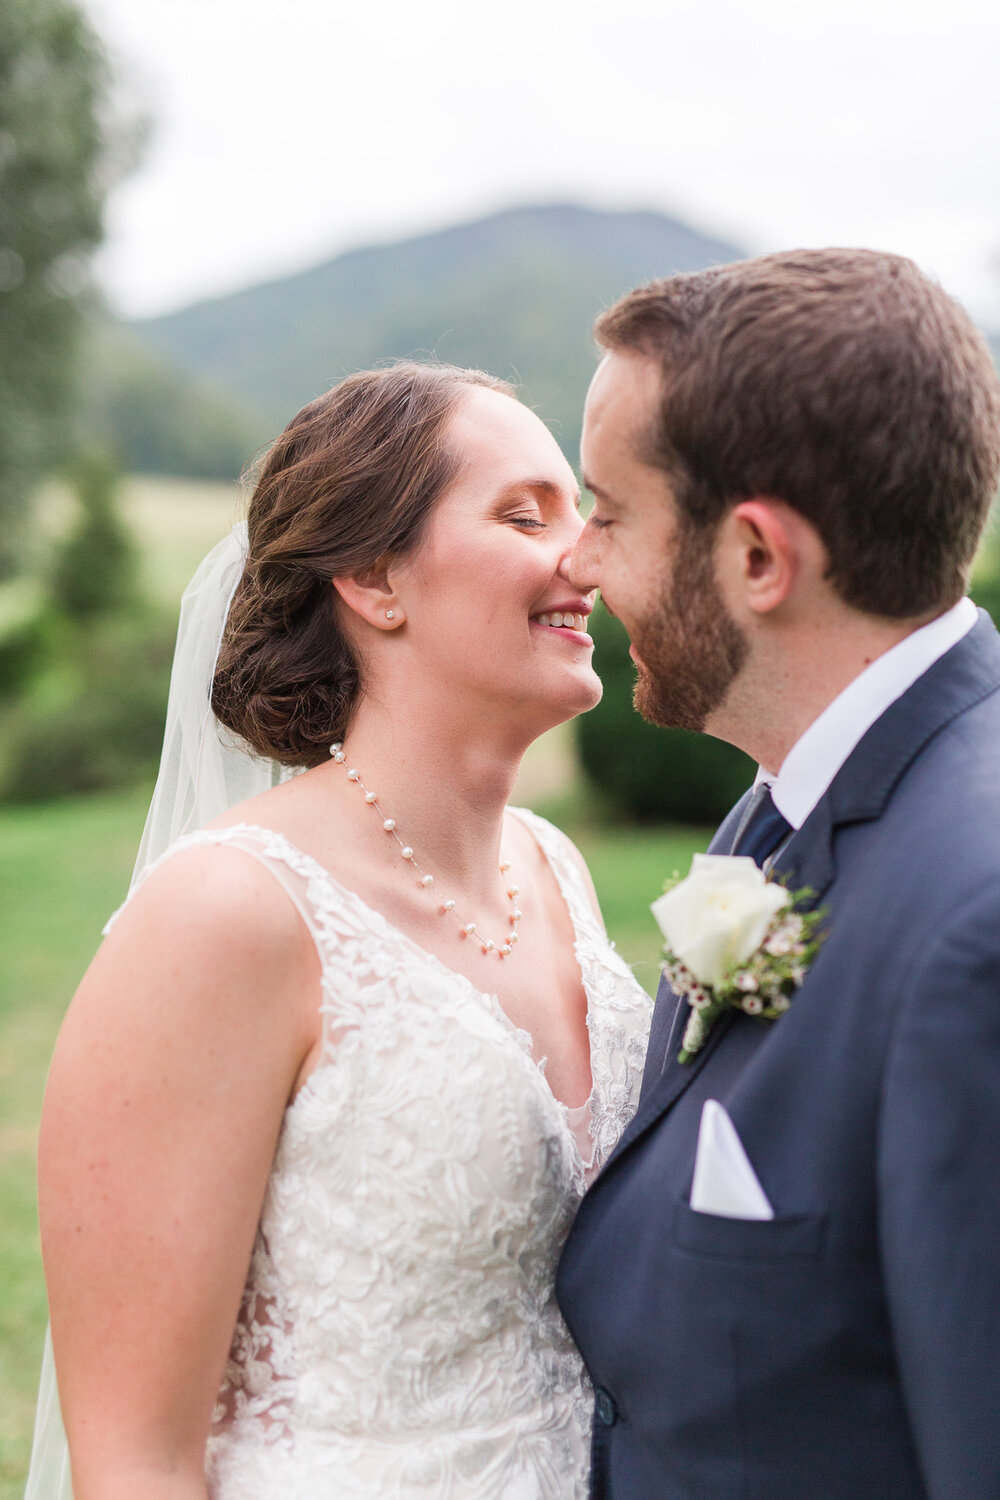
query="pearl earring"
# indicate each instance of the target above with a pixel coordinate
(390, 614)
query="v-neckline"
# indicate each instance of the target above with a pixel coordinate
(489, 999)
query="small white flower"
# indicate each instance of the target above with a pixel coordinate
(747, 983)
(753, 1005)
(719, 915)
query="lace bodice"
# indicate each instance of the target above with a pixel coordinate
(399, 1335)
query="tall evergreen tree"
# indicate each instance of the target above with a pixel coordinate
(97, 567)
(55, 166)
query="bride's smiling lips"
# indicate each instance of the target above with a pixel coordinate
(569, 619)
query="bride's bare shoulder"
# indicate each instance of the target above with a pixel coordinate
(212, 898)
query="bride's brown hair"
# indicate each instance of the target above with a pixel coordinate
(351, 480)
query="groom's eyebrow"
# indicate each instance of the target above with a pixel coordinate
(595, 489)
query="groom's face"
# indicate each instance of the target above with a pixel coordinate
(655, 573)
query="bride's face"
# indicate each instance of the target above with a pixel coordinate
(488, 605)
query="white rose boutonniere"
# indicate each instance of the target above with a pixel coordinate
(734, 941)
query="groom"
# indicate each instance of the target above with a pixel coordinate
(793, 459)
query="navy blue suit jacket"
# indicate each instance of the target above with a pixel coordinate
(848, 1349)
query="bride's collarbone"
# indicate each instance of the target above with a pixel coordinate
(538, 984)
(535, 967)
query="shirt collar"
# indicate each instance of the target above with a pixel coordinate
(818, 755)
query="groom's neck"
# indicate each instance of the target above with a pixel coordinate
(793, 672)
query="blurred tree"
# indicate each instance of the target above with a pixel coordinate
(97, 567)
(58, 154)
(84, 668)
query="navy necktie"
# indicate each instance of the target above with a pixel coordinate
(765, 828)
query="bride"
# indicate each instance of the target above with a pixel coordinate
(324, 1104)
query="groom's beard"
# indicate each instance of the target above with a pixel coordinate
(691, 649)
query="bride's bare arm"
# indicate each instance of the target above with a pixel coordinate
(176, 1061)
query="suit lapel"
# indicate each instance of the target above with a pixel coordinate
(965, 675)
(806, 861)
(664, 1015)
(732, 826)
(666, 1087)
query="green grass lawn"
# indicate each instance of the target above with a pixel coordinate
(63, 868)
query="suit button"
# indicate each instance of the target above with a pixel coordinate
(604, 1406)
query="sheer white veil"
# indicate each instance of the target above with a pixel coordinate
(203, 771)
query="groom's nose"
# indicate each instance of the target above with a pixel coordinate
(581, 565)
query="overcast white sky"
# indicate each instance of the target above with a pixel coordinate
(285, 131)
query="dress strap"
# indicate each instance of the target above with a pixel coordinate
(567, 866)
(324, 906)
(286, 863)
(592, 942)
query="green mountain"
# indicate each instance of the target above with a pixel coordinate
(515, 294)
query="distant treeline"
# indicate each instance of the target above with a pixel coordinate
(158, 418)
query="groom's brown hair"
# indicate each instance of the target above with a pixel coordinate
(843, 382)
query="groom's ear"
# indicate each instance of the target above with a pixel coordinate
(766, 549)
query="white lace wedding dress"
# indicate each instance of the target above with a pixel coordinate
(399, 1337)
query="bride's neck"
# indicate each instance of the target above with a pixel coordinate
(446, 784)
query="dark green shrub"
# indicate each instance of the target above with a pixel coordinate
(98, 721)
(25, 634)
(986, 592)
(651, 774)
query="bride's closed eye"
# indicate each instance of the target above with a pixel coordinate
(531, 523)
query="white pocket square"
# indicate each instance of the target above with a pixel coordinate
(725, 1183)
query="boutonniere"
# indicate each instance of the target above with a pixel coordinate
(734, 941)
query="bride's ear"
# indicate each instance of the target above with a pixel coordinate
(372, 597)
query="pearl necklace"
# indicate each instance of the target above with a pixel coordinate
(466, 929)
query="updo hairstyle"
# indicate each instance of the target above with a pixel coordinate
(353, 478)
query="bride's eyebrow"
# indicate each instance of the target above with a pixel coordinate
(545, 489)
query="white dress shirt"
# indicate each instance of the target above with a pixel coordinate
(817, 756)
